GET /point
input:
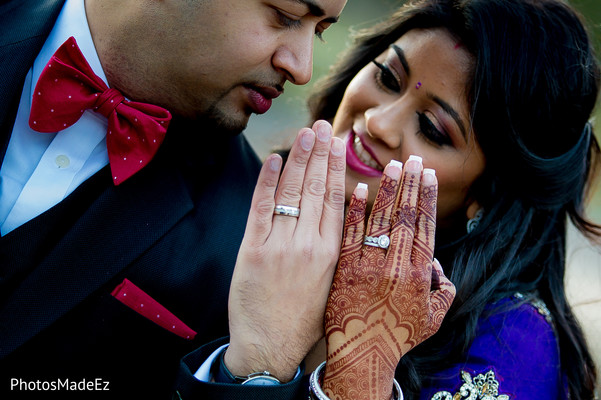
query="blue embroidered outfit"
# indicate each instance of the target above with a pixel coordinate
(515, 355)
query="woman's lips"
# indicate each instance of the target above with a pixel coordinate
(359, 159)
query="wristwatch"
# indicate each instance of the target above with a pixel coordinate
(223, 375)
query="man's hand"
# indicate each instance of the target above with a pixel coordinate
(285, 265)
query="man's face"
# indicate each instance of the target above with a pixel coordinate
(227, 59)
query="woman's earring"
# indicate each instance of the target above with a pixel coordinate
(472, 223)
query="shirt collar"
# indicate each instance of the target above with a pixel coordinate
(72, 21)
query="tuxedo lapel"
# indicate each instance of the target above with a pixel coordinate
(121, 224)
(103, 241)
(25, 26)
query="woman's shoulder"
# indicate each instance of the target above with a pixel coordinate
(511, 324)
(517, 330)
(515, 354)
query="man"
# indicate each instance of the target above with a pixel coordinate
(85, 253)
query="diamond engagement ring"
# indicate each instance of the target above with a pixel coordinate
(288, 211)
(382, 241)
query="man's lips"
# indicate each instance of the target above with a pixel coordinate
(261, 97)
(356, 163)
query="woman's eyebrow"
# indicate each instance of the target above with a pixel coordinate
(401, 54)
(451, 111)
(443, 104)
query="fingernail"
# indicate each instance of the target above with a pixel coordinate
(361, 191)
(337, 146)
(275, 162)
(324, 132)
(429, 176)
(414, 164)
(307, 139)
(393, 169)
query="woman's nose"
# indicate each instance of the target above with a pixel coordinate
(385, 123)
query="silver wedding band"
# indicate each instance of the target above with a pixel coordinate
(288, 211)
(382, 241)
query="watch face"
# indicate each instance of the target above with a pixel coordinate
(261, 380)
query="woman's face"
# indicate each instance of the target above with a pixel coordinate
(412, 100)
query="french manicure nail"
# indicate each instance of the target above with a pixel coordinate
(393, 169)
(396, 163)
(429, 177)
(414, 164)
(361, 191)
(307, 139)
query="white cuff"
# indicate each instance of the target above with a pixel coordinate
(204, 372)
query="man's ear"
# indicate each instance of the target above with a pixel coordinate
(472, 209)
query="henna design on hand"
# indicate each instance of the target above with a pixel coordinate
(384, 303)
(354, 226)
(382, 209)
(365, 369)
(424, 231)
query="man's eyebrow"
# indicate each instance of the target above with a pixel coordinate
(451, 111)
(401, 54)
(316, 10)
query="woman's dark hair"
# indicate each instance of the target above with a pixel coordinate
(533, 87)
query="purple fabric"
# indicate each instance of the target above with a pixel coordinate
(519, 345)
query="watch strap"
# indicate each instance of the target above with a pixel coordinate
(221, 374)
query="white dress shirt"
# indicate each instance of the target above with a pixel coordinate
(40, 169)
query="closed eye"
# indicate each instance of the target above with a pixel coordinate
(290, 21)
(431, 133)
(287, 20)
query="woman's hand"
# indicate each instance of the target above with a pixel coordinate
(384, 302)
(285, 265)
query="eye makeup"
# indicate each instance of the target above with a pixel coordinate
(390, 77)
(386, 79)
(431, 132)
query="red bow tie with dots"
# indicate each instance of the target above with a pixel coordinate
(68, 86)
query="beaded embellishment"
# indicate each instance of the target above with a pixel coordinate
(482, 387)
(540, 306)
(485, 386)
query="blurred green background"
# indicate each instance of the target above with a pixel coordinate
(279, 126)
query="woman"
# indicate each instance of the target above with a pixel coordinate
(495, 95)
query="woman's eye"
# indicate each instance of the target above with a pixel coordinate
(386, 78)
(429, 130)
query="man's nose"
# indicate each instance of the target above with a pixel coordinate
(294, 57)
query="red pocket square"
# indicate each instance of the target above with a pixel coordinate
(136, 299)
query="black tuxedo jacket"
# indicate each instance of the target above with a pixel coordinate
(173, 229)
